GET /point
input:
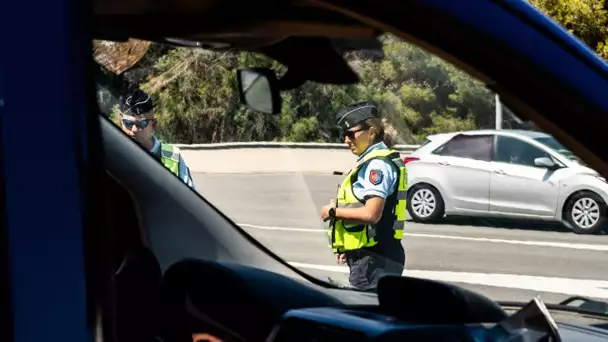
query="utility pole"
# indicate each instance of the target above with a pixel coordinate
(498, 115)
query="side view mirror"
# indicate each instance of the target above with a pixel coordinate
(545, 162)
(259, 90)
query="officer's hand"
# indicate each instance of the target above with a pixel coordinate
(325, 210)
(204, 338)
(340, 258)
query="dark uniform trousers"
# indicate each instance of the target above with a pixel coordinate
(368, 265)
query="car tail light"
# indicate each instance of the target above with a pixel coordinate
(409, 159)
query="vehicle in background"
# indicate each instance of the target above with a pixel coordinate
(504, 173)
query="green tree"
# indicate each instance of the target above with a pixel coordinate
(586, 19)
(417, 92)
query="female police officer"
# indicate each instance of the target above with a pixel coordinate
(368, 216)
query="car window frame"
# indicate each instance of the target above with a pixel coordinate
(437, 151)
(547, 151)
(425, 142)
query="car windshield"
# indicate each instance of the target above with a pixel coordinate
(555, 145)
(343, 183)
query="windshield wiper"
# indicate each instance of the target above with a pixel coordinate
(586, 306)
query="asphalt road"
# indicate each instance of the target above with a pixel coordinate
(505, 260)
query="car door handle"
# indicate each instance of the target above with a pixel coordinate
(443, 163)
(500, 172)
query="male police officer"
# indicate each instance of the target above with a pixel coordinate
(368, 215)
(137, 120)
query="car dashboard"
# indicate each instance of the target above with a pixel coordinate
(263, 305)
(358, 325)
(366, 324)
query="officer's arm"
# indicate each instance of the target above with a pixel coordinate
(371, 213)
(189, 181)
(184, 173)
(377, 179)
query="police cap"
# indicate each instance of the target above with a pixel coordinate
(138, 103)
(352, 115)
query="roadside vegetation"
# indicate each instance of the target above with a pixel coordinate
(195, 89)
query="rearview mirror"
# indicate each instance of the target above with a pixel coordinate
(258, 90)
(545, 162)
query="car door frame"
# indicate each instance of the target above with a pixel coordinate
(506, 172)
(469, 207)
(55, 238)
(497, 37)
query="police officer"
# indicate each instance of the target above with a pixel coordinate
(368, 216)
(138, 122)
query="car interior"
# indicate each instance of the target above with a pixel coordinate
(181, 267)
(474, 147)
(525, 152)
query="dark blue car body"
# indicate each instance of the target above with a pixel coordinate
(50, 148)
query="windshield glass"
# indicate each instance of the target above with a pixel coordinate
(555, 145)
(343, 183)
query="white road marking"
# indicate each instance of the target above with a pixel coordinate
(573, 287)
(580, 246)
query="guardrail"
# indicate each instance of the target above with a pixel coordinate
(274, 144)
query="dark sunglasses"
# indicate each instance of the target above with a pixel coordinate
(351, 134)
(141, 124)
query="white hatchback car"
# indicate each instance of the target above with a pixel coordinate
(504, 173)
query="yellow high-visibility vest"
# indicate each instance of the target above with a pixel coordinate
(346, 235)
(169, 156)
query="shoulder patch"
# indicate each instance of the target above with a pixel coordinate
(376, 176)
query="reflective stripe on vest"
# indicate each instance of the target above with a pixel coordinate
(347, 235)
(170, 157)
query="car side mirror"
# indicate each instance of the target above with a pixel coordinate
(259, 90)
(545, 162)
